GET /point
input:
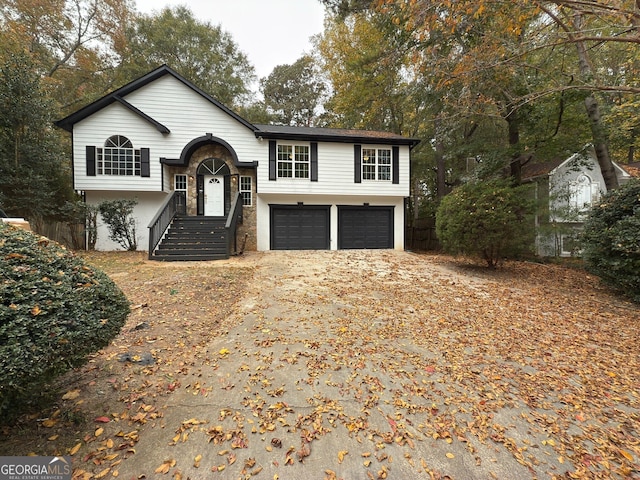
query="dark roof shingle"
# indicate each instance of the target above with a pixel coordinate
(332, 134)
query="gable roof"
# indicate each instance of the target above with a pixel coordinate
(632, 169)
(275, 132)
(285, 132)
(531, 171)
(118, 95)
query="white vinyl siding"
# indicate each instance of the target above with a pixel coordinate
(574, 186)
(183, 111)
(188, 116)
(335, 175)
(143, 212)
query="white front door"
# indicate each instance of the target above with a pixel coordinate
(213, 196)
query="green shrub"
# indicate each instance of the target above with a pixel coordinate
(118, 215)
(611, 239)
(54, 311)
(490, 219)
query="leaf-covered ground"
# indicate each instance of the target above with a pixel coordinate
(352, 364)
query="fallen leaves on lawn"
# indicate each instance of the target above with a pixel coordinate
(415, 352)
(49, 422)
(71, 394)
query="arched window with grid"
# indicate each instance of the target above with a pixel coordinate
(118, 157)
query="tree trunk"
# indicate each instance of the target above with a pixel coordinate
(441, 173)
(600, 143)
(598, 131)
(513, 123)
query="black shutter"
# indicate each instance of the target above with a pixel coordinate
(357, 163)
(227, 196)
(395, 165)
(91, 161)
(314, 161)
(145, 163)
(272, 160)
(200, 189)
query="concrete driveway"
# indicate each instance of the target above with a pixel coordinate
(385, 364)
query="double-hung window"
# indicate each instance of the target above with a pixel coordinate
(376, 164)
(293, 161)
(118, 157)
(180, 182)
(180, 186)
(245, 191)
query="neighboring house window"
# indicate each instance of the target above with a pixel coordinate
(293, 161)
(245, 191)
(376, 164)
(180, 185)
(584, 193)
(118, 157)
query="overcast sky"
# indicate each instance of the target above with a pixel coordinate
(269, 32)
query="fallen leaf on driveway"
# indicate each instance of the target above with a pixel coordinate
(627, 455)
(103, 473)
(166, 466)
(75, 449)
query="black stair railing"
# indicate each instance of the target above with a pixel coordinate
(233, 219)
(175, 204)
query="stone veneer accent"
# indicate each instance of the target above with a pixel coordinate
(249, 221)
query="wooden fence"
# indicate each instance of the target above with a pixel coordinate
(421, 238)
(63, 234)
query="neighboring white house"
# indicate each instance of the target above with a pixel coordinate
(301, 188)
(567, 188)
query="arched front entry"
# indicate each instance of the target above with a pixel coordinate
(213, 179)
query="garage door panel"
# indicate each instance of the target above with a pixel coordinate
(299, 227)
(365, 227)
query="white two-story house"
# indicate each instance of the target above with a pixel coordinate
(201, 174)
(566, 189)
